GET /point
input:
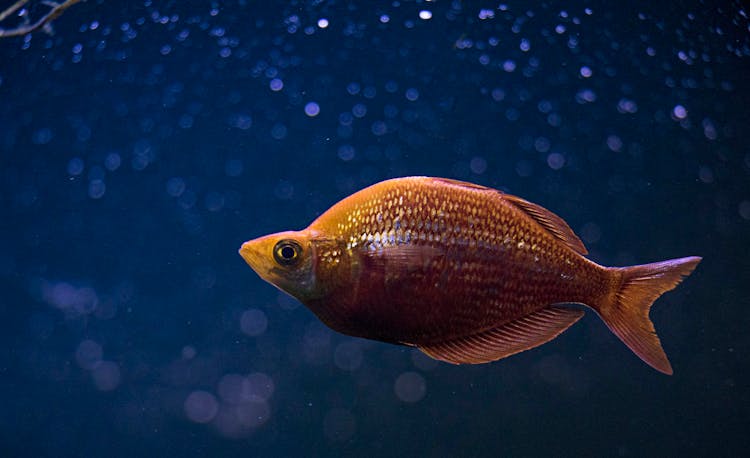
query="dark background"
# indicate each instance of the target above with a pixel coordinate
(142, 142)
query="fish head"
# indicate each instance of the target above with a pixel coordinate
(285, 260)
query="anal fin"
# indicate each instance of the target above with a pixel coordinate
(522, 334)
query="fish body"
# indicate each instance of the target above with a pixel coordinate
(465, 273)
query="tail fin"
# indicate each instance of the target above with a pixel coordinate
(627, 315)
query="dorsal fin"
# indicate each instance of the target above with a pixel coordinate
(525, 333)
(548, 220)
(551, 222)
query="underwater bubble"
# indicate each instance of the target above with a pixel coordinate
(112, 162)
(585, 72)
(744, 209)
(175, 186)
(486, 14)
(346, 152)
(278, 131)
(555, 161)
(614, 143)
(276, 85)
(478, 165)
(312, 109)
(88, 354)
(679, 112)
(705, 174)
(348, 356)
(339, 425)
(97, 188)
(410, 387)
(253, 322)
(75, 166)
(201, 406)
(234, 168)
(384, 18)
(591, 232)
(188, 352)
(253, 413)
(412, 94)
(42, 136)
(106, 376)
(230, 388)
(284, 190)
(425, 15)
(258, 386)
(322, 23)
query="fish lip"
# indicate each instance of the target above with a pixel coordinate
(249, 254)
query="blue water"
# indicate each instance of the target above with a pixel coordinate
(142, 142)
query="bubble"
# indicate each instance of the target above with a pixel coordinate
(97, 189)
(509, 66)
(478, 165)
(253, 413)
(410, 387)
(106, 376)
(744, 209)
(486, 14)
(425, 15)
(188, 352)
(555, 161)
(276, 85)
(284, 190)
(112, 162)
(679, 112)
(88, 354)
(353, 88)
(591, 232)
(214, 201)
(253, 322)
(585, 72)
(705, 174)
(258, 386)
(412, 94)
(201, 406)
(614, 143)
(312, 109)
(384, 18)
(525, 45)
(186, 121)
(75, 166)
(278, 131)
(241, 121)
(234, 168)
(359, 110)
(346, 152)
(348, 356)
(175, 186)
(339, 425)
(42, 136)
(322, 23)
(230, 388)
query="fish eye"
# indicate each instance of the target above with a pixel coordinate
(287, 252)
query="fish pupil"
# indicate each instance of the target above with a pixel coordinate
(287, 252)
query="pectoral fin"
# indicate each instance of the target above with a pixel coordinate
(514, 337)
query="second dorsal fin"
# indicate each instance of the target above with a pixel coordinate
(551, 222)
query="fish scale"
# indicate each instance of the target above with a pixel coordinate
(466, 273)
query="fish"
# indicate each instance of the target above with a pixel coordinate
(465, 273)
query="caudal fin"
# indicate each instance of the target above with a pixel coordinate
(627, 314)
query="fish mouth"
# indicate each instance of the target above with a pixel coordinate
(250, 254)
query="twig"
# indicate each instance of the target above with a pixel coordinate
(56, 10)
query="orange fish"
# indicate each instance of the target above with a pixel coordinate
(465, 273)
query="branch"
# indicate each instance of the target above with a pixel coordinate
(56, 10)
